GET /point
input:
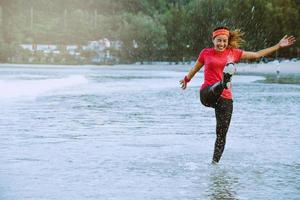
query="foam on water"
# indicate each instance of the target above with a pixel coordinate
(134, 134)
(34, 88)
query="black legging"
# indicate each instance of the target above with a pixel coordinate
(211, 97)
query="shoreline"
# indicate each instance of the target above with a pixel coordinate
(13, 65)
(284, 67)
(286, 72)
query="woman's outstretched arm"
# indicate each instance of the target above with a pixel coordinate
(284, 42)
(198, 65)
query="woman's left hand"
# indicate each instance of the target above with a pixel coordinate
(287, 41)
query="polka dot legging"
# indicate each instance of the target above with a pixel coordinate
(223, 111)
(210, 96)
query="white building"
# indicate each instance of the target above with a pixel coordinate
(46, 48)
(100, 47)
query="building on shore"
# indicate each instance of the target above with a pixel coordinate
(96, 52)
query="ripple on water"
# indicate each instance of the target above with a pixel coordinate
(134, 134)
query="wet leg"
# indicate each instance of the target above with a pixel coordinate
(223, 111)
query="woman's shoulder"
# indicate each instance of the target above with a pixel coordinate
(234, 49)
(207, 50)
(236, 53)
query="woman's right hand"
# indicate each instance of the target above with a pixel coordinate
(184, 82)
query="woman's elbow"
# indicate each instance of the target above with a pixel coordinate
(251, 56)
(198, 66)
(257, 56)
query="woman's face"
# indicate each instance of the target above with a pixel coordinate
(220, 42)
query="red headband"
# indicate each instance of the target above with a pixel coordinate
(220, 32)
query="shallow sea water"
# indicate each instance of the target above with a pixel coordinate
(130, 132)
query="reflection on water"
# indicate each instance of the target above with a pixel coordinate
(221, 184)
(123, 133)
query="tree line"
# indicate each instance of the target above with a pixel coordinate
(165, 30)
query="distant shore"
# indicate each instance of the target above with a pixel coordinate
(286, 72)
(2, 65)
(284, 67)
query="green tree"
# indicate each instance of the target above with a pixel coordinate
(177, 39)
(143, 38)
(159, 29)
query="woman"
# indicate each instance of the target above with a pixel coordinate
(219, 62)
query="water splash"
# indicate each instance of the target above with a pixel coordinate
(34, 88)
